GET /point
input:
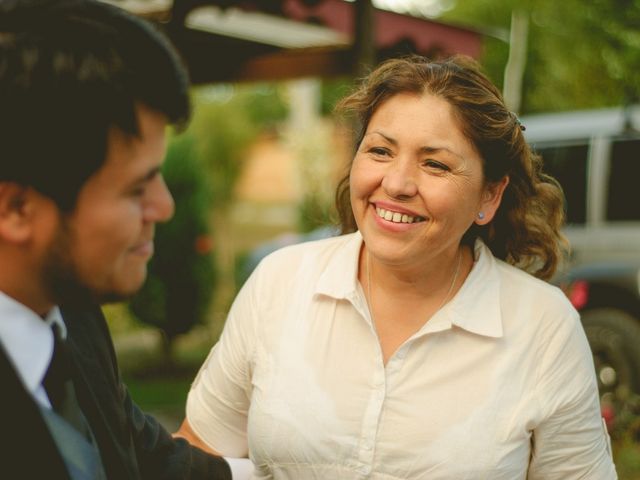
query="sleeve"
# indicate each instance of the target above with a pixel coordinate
(130, 441)
(162, 457)
(570, 441)
(219, 399)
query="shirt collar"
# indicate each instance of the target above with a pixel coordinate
(54, 317)
(475, 308)
(340, 277)
(28, 339)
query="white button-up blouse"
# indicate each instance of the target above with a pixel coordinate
(497, 385)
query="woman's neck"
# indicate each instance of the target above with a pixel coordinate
(431, 278)
(401, 301)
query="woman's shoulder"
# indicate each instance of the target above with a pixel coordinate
(538, 311)
(311, 253)
(516, 283)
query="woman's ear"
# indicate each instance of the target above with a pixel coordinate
(491, 199)
(16, 212)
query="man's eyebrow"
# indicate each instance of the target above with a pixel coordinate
(147, 176)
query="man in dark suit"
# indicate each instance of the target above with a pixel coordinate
(86, 93)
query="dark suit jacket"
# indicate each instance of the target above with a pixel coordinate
(132, 445)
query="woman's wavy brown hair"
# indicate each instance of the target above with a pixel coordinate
(525, 231)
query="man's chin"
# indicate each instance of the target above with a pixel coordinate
(79, 296)
(68, 286)
(124, 291)
(114, 297)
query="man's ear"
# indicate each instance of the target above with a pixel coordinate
(16, 212)
(491, 199)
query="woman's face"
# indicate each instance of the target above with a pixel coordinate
(417, 183)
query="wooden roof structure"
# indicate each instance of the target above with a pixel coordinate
(253, 40)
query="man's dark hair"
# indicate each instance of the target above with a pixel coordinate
(70, 70)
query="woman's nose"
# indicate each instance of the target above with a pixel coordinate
(399, 181)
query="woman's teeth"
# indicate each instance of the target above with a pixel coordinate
(397, 217)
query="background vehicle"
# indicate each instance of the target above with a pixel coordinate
(595, 155)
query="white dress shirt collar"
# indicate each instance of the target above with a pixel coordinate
(28, 341)
(475, 308)
(340, 277)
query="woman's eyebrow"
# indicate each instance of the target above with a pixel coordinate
(431, 150)
(386, 137)
(428, 149)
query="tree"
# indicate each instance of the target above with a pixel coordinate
(201, 170)
(581, 54)
(227, 120)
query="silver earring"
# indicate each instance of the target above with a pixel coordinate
(480, 215)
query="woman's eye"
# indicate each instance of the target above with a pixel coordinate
(379, 151)
(436, 165)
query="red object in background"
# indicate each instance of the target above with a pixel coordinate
(609, 415)
(426, 35)
(578, 293)
(203, 244)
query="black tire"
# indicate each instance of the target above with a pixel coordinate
(614, 337)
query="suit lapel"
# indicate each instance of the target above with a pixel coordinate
(97, 389)
(27, 446)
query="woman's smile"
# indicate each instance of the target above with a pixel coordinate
(396, 214)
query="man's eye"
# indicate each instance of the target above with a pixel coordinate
(138, 192)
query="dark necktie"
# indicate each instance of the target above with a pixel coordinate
(59, 386)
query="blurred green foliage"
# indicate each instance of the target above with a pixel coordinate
(181, 275)
(227, 119)
(333, 90)
(580, 54)
(201, 169)
(314, 211)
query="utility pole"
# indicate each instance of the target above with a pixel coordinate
(514, 70)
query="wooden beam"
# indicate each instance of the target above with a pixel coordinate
(279, 65)
(308, 62)
(364, 39)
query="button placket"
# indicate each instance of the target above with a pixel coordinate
(371, 420)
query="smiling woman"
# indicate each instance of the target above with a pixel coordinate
(414, 162)
(416, 345)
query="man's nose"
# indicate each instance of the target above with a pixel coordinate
(160, 205)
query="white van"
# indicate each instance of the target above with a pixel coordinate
(595, 155)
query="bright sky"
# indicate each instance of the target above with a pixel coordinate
(428, 8)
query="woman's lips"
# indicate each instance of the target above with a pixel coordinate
(395, 214)
(397, 217)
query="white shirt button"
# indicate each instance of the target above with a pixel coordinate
(364, 469)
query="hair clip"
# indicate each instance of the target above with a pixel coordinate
(517, 119)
